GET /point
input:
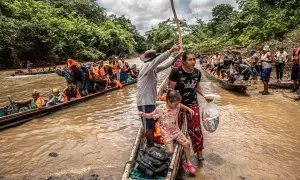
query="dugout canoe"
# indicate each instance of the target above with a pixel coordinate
(31, 74)
(22, 117)
(241, 88)
(140, 142)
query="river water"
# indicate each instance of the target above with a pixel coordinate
(258, 136)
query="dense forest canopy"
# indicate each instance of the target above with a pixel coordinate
(48, 32)
(256, 22)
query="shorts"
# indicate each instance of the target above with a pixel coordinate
(295, 72)
(265, 74)
(174, 133)
(148, 124)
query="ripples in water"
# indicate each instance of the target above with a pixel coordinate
(257, 138)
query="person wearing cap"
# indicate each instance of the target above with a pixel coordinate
(56, 98)
(266, 59)
(147, 82)
(35, 102)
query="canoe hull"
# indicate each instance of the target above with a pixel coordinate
(19, 118)
(140, 142)
(31, 74)
(287, 85)
(225, 85)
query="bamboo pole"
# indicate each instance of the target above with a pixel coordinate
(177, 23)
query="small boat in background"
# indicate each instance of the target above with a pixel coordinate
(22, 73)
(223, 83)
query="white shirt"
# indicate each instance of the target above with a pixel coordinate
(281, 57)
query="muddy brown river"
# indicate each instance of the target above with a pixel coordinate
(258, 136)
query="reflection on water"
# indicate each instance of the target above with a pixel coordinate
(258, 136)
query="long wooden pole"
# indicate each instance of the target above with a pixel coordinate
(177, 23)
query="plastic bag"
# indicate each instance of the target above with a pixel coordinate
(210, 117)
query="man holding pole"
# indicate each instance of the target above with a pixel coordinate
(147, 82)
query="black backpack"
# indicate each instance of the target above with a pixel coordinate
(153, 162)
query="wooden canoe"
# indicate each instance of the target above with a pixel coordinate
(140, 142)
(33, 73)
(281, 85)
(21, 117)
(225, 85)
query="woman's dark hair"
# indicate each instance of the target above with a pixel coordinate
(185, 54)
(173, 96)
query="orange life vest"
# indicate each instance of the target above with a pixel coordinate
(40, 102)
(157, 133)
(70, 62)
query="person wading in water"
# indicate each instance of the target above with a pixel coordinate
(186, 79)
(266, 60)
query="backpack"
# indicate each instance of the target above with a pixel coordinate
(153, 162)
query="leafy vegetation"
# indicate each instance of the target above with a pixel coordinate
(50, 31)
(256, 22)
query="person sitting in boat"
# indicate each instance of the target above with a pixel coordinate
(79, 76)
(243, 69)
(35, 102)
(71, 92)
(170, 131)
(124, 69)
(113, 82)
(56, 98)
(217, 64)
(114, 65)
(101, 75)
(228, 64)
(243, 72)
(91, 78)
(133, 71)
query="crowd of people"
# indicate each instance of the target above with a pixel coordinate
(236, 69)
(82, 80)
(184, 85)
